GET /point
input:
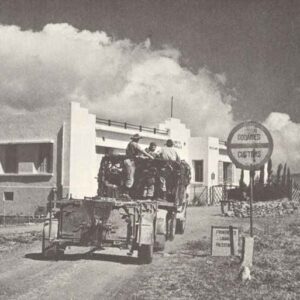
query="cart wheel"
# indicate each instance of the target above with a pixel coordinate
(160, 241)
(145, 254)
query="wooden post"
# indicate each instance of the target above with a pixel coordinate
(247, 252)
(251, 200)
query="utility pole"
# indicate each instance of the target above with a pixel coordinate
(172, 107)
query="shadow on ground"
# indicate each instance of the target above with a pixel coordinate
(127, 260)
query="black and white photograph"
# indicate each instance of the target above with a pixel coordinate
(150, 149)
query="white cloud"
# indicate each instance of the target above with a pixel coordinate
(286, 137)
(116, 79)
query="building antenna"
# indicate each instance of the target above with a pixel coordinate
(172, 107)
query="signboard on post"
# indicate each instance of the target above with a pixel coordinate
(249, 145)
(224, 241)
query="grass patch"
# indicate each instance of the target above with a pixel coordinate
(10, 241)
(275, 273)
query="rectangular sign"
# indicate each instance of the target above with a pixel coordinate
(224, 241)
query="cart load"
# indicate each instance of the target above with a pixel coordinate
(153, 179)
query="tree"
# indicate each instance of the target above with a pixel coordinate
(262, 175)
(283, 181)
(289, 184)
(242, 184)
(270, 171)
(279, 169)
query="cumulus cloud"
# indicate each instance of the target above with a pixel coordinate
(286, 137)
(116, 79)
(120, 80)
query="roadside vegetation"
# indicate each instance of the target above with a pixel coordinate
(10, 241)
(192, 273)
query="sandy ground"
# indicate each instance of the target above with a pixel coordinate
(25, 275)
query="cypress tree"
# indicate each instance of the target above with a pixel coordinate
(283, 182)
(270, 171)
(289, 184)
(262, 175)
(279, 169)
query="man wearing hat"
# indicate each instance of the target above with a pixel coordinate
(169, 153)
(133, 150)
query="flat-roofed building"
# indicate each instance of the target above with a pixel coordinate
(58, 151)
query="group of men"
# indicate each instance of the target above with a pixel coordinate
(135, 150)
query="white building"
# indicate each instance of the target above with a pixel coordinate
(60, 149)
(207, 157)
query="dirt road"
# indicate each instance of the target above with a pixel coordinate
(25, 275)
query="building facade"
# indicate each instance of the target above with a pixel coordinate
(57, 152)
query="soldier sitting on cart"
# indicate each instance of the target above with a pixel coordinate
(133, 151)
(168, 153)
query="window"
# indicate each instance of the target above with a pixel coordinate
(227, 173)
(45, 159)
(223, 151)
(198, 165)
(11, 164)
(26, 158)
(8, 196)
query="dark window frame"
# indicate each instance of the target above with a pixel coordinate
(8, 196)
(11, 162)
(199, 170)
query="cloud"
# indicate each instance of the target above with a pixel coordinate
(116, 79)
(286, 137)
(119, 79)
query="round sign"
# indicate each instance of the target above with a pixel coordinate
(249, 145)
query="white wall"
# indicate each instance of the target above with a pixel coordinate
(213, 146)
(180, 134)
(86, 134)
(197, 150)
(83, 163)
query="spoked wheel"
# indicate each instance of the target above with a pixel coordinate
(51, 250)
(145, 254)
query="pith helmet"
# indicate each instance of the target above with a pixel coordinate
(136, 137)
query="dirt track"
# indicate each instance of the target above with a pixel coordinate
(25, 275)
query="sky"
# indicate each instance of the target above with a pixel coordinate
(223, 61)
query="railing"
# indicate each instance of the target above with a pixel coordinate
(219, 193)
(198, 195)
(296, 192)
(126, 125)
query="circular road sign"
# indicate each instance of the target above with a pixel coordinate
(249, 145)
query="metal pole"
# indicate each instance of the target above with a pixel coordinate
(172, 107)
(251, 200)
